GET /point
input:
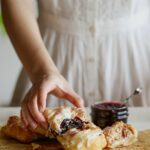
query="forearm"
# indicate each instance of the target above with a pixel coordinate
(24, 33)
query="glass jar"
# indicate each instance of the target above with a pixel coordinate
(106, 113)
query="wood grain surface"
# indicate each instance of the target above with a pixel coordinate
(143, 143)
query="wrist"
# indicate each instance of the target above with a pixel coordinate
(42, 72)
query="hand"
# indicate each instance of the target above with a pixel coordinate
(34, 102)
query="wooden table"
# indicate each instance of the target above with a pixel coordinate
(139, 117)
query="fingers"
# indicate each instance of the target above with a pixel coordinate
(41, 101)
(34, 103)
(34, 110)
(30, 114)
(42, 96)
(25, 123)
(27, 118)
(74, 98)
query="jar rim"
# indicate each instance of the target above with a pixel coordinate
(98, 104)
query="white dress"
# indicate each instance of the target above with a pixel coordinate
(102, 47)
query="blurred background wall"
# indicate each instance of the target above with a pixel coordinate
(10, 64)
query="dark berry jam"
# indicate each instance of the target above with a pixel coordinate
(106, 113)
(71, 123)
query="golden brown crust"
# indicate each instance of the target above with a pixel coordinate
(90, 137)
(14, 129)
(120, 134)
(54, 116)
(57, 115)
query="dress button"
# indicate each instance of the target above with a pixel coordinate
(92, 29)
(91, 94)
(91, 59)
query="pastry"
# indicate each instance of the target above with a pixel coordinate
(61, 119)
(88, 137)
(120, 134)
(73, 130)
(15, 130)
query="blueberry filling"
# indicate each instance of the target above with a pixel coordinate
(71, 123)
(67, 124)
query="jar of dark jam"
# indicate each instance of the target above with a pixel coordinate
(106, 113)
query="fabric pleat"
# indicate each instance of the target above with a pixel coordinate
(101, 47)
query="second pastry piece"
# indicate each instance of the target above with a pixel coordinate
(88, 137)
(120, 134)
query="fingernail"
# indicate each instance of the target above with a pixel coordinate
(41, 109)
(23, 126)
(84, 109)
(33, 125)
(81, 105)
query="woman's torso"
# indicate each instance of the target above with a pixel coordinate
(101, 47)
(102, 51)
